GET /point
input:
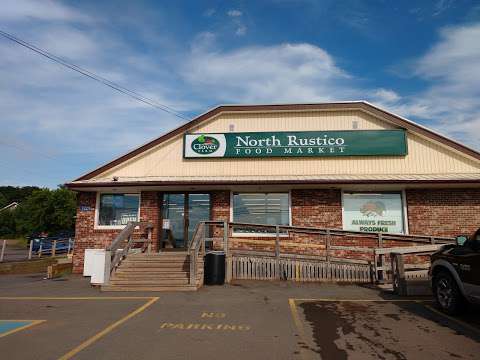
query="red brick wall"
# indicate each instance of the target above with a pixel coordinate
(443, 212)
(446, 212)
(87, 237)
(220, 205)
(317, 208)
(150, 212)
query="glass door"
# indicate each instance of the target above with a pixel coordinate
(198, 210)
(173, 215)
(181, 212)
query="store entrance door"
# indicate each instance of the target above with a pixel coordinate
(181, 212)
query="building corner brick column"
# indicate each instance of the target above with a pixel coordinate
(150, 213)
(220, 205)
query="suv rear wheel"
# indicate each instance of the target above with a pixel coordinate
(447, 294)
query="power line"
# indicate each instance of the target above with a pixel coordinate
(133, 94)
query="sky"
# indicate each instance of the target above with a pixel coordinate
(418, 59)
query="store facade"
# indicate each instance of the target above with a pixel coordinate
(349, 166)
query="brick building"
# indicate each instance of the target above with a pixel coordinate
(345, 165)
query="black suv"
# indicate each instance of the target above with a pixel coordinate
(455, 274)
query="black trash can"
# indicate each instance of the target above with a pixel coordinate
(215, 268)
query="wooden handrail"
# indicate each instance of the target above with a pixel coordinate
(123, 235)
(341, 232)
(126, 235)
(328, 234)
(194, 248)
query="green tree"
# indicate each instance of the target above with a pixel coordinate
(16, 193)
(63, 204)
(3, 200)
(46, 210)
(7, 224)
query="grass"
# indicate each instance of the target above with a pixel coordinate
(19, 241)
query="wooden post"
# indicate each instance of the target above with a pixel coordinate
(30, 250)
(372, 272)
(149, 237)
(69, 246)
(40, 250)
(327, 246)
(400, 274)
(381, 258)
(225, 237)
(2, 254)
(277, 250)
(228, 258)
(54, 248)
(327, 257)
(204, 236)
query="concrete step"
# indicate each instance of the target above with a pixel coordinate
(179, 275)
(147, 270)
(149, 288)
(159, 256)
(149, 282)
(155, 264)
(156, 260)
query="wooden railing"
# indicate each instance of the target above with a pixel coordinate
(124, 242)
(405, 275)
(325, 237)
(304, 267)
(196, 248)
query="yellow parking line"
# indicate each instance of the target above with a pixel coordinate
(32, 323)
(75, 298)
(305, 355)
(108, 329)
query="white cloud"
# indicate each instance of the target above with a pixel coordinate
(234, 13)
(209, 12)
(287, 72)
(386, 95)
(241, 30)
(452, 68)
(15, 10)
(441, 6)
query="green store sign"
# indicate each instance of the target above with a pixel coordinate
(296, 144)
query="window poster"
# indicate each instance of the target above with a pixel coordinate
(369, 212)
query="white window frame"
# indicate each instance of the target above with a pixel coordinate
(257, 234)
(97, 226)
(403, 196)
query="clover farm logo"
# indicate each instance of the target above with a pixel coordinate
(205, 145)
(371, 208)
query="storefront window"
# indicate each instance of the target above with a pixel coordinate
(373, 212)
(260, 208)
(118, 209)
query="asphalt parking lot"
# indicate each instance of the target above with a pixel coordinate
(247, 320)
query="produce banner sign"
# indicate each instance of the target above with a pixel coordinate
(370, 212)
(296, 144)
